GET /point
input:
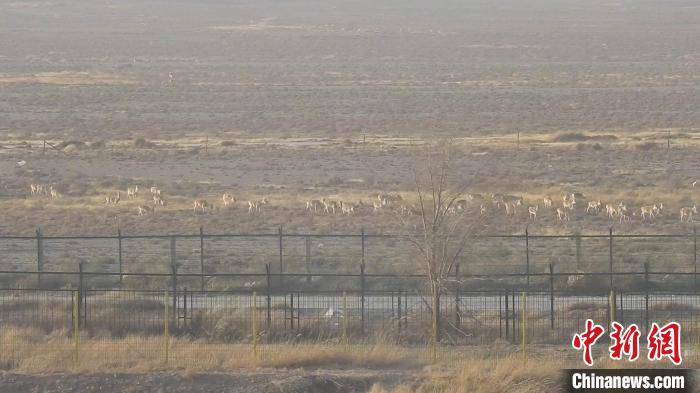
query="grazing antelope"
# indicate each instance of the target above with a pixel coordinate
(610, 211)
(256, 206)
(113, 199)
(623, 215)
(594, 207)
(406, 210)
(658, 208)
(155, 190)
(482, 209)
(228, 199)
(313, 204)
(132, 191)
(377, 205)
(329, 206)
(158, 200)
(143, 210)
(347, 208)
(36, 189)
(547, 202)
(687, 213)
(647, 212)
(54, 193)
(203, 205)
(562, 214)
(511, 208)
(532, 210)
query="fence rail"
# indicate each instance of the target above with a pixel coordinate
(221, 261)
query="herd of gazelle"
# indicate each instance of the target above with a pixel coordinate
(43, 190)
(396, 203)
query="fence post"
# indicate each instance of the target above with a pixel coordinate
(201, 256)
(76, 327)
(269, 299)
(254, 323)
(507, 318)
(612, 306)
(362, 298)
(695, 258)
(82, 304)
(345, 320)
(398, 337)
(435, 328)
(308, 258)
(523, 308)
(166, 328)
(281, 257)
(173, 268)
(39, 256)
(610, 250)
(551, 296)
(646, 297)
(458, 315)
(527, 256)
(291, 311)
(119, 248)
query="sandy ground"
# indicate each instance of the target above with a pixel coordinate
(299, 381)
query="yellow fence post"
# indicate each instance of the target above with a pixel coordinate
(434, 339)
(345, 321)
(166, 330)
(612, 304)
(254, 323)
(76, 328)
(523, 321)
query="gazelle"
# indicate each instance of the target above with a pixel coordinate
(113, 199)
(256, 206)
(143, 210)
(532, 210)
(202, 204)
(482, 209)
(562, 214)
(610, 211)
(511, 208)
(547, 202)
(623, 215)
(228, 199)
(328, 205)
(377, 205)
(54, 193)
(36, 189)
(647, 212)
(694, 183)
(348, 208)
(132, 191)
(313, 204)
(687, 213)
(155, 190)
(594, 207)
(158, 200)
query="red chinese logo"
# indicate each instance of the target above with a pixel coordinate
(662, 342)
(624, 342)
(665, 342)
(586, 340)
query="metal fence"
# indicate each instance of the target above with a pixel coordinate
(181, 326)
(235, 261)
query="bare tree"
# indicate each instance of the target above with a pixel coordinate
(442, 231)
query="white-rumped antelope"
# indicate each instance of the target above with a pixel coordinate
(132, 191)
(532, 211)
(203, 205)
(228, 199)
(143, 210)
(547, 201)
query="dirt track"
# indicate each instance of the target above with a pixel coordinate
(319, 381)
